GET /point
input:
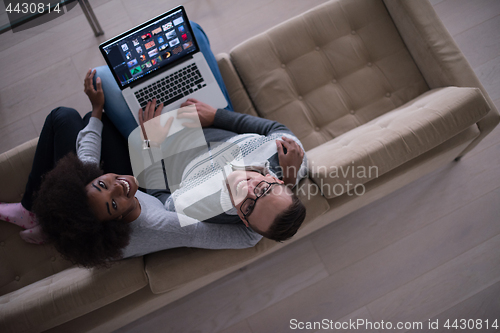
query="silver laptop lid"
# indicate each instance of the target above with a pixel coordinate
(150, 48)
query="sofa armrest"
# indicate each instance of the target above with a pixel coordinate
(237, 93)
(15, 167)
(69, 294)
(437, 55)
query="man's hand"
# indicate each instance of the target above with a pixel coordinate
(291, 160)
(96, 96)
(205, 113)
(152, 129)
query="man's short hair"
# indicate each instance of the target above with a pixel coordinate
(286, 224)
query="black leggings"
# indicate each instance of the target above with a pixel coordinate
(58, 138)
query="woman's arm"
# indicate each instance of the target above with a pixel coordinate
(88, 142)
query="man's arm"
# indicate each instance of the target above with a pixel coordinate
(244, 123)
(232, 121)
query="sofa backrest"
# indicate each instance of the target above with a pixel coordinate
(329, 70)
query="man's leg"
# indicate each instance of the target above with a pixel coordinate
(204, 45)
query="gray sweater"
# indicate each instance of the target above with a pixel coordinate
(156, 228)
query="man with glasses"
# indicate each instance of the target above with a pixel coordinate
(257, 186)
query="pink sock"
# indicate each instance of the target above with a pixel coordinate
(17, 214)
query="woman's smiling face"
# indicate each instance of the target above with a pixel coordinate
(112, 197)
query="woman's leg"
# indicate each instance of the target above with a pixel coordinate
(57, 138)
(117, 109)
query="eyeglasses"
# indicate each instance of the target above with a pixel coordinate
(260, 190)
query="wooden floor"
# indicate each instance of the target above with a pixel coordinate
(430, 251)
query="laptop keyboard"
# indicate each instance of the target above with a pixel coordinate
(173, 87)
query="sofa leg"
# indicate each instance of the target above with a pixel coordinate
(458, 158)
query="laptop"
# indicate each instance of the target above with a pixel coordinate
(161, 59)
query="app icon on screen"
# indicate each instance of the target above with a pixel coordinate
(152, 53)
(187, 45)
(132, 63)
(128, 55)
(174, 42)
(163, 47)
(149, 45)
(160, 40)
(135, 42)
(178, 49)
(146, 36)
(124, 47)
(167, 26)
(156, 31)
(178, 21)
(184, 37)
(138, 49)
(136, 70)
(181, 29)
(171, 34)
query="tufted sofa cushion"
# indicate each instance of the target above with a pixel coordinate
(329, 70)
(394, 138)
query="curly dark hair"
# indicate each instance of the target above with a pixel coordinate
(288, 222)
(62, 208)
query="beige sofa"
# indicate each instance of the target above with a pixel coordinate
(362, 83)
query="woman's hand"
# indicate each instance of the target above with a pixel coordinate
(204, 112)
(96, 96)
(152, 129)
(290, 161)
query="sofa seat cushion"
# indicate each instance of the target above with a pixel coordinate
(69, 294)
(329, 70)
(394, 138)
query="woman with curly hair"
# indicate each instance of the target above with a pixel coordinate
(94, 216)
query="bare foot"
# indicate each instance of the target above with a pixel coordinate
(33, 235)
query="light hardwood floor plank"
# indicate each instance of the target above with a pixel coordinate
(241, 327)
(392, 218)
(489, 75)
(480, 43)
(388, 269)
(451, 283)
(38, 91)
(461, 15)
(231, 300)
(16, 133)
(350, 323)
(485, 305)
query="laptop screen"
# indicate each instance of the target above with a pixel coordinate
(151, 46)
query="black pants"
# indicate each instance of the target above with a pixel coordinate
(58, 138)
